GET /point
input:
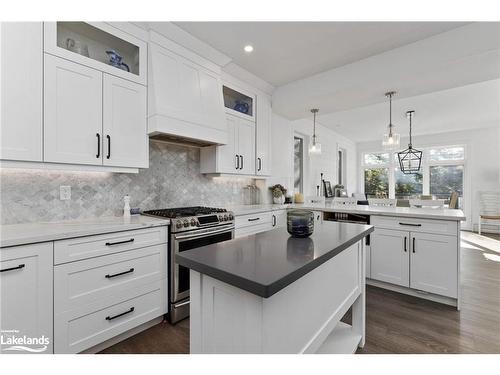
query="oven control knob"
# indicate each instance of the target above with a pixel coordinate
(178, 224)
(186, 223)
(193, 222)
(220, 218)
(231, 217)
(225, 217)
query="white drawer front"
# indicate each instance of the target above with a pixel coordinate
(93, 246)
(82, 329)
(415, 225)
(79, 283)
(261, 218)
(245, 231)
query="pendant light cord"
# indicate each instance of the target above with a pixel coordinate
(314, 128)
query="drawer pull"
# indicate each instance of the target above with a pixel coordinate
(413, 245)
(119, 242)
(119, 274)
(117, 316)
(405, 245)
(13, 268)
(411, 225)
(254, 219)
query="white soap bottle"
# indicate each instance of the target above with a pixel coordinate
(126, 206)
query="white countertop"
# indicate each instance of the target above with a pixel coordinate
(423, 213)
(20, 234)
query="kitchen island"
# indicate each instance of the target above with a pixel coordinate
(272, 293)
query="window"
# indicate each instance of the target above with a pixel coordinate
(442, 172)
(298, 164)
(341, 167)
(407, 185)
(445, 179)
(376, 158)
(377, 182)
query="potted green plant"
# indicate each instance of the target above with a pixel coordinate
(278, 192)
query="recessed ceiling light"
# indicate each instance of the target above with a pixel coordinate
(248, 48)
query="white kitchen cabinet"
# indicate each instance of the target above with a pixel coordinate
(279, 218)
(126, 142)
(434, 264)
(318, 217)
(246, 146)
(26, 293)
(263, 136)
(21, 74)
(390, 256)
(185, 94)
(72, 113)
(237, 156)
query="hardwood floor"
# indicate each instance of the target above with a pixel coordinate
(397, 323)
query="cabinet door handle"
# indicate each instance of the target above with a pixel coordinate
(109, 146)
(406, 249)
(123, 313)
(98, 155)
(413, 245)
(241, 166)
(259, 160)
(13, 268)
(254, 219)
(119, 274)
(119, 242)
(274, 220)
(411, 225)
(237, 162)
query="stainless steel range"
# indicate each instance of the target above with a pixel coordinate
(190, 227)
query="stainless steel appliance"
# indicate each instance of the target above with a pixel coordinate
(190, 227)
(348, 217)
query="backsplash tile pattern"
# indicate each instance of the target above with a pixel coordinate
(173, 179)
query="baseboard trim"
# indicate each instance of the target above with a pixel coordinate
(412, 292)
(122, 336)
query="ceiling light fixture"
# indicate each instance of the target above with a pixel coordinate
(315, 147)
(410, 159)
(390, 140)
(248, 48)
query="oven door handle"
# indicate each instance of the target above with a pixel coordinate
(204, 234)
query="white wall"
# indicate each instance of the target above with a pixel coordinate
(482, 169)
(283, 132)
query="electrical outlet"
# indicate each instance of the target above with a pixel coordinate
(64, 193)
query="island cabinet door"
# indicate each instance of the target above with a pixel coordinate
(390, 260)
(434, 264)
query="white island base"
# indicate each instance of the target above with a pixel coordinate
(304, 317)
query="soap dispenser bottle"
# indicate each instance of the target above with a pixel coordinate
(126, 206)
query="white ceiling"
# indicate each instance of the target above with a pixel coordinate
(287, 51)
(463, 108)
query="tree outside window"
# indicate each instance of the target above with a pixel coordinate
(377, 182)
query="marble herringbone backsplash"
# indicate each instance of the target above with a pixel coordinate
(172, 180)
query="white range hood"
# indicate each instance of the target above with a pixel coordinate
(185, 95)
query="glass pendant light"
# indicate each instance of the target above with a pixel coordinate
(391, 139)
(315, 147)
(410, 159)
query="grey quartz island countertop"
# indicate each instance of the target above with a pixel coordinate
(415, 212)
(267, 262)
(21, 234)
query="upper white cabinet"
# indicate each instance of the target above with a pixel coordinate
(126, 142)
(239, 103)
(26, 293)
(92, 117)
(72, 112)
(21, 91)
(263, 136)
(237, 156)
(99, 46)
(185, 95)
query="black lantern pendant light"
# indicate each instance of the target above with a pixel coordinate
(410, 159)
